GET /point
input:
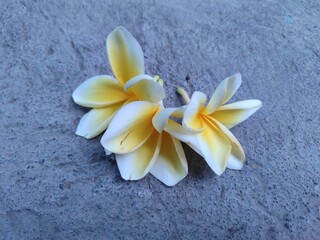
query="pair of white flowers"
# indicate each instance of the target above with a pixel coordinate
(139, 129)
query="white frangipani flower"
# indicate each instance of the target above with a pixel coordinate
(135, 136)
(139, 129)
(206, 128)
(106, 94)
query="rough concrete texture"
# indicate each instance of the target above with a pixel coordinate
(56, 185)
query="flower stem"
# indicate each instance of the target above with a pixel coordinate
(184, 95)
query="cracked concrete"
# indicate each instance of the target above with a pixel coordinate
(56, 185)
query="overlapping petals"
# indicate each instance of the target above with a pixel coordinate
(140, 148)
(97, 120)
(145, 88)
(171, 165)
(130, 128)
(106, 94)
(205, 128)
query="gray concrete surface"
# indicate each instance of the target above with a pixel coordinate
(56, 185)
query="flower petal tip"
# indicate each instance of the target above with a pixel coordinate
(125, 54)
(85, 134)
(237, 76)
(259, 103)
(234, 163)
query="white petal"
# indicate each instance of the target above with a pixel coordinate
(96, 121)
(232, 114)
(125, 55)
(145, 88)
(225, 90)
(234, 162)
(171, 165)
(160, 120)
(215, 147)
(130, 127)
(135, 165)
(191, 119)
(99, 91)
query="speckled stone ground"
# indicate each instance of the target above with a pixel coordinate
(56, 185)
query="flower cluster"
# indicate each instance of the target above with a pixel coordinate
(140, 130)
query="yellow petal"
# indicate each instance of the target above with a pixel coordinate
(232, 114)
(130, 127)
(225, 90)
(214, 146)
(145, 88)
(237, 155)
(99, 91)
(96, 121)
(125, 55)
(191, 119)
(160, 120)
(171, 165)
(236, 146)
(135, 165)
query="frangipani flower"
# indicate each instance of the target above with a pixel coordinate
(106, 94)
(135, 136)
(206, 128)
